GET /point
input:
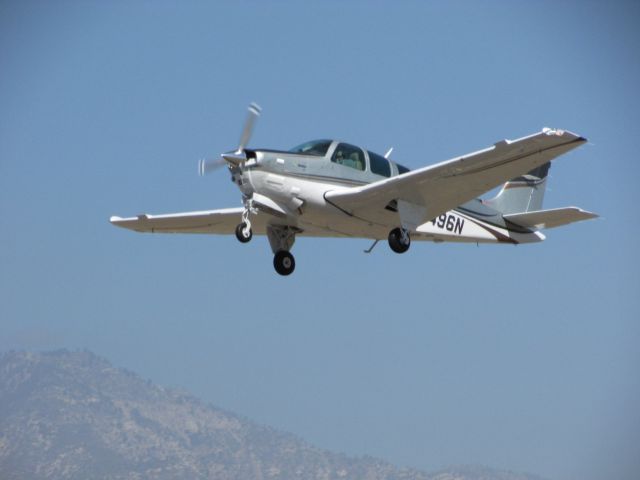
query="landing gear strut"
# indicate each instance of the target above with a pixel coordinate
(243, 230)
(399, 240)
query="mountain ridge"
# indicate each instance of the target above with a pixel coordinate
(71, 415)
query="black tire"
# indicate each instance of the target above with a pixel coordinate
(240, 233)
(284, 263)
(396, 243)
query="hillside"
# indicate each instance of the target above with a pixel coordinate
(72, 415)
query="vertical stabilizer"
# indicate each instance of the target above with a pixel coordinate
(522, 194)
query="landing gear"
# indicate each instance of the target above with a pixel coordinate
(399, 240)
(243, 232)
(284, 263)
(281, 239)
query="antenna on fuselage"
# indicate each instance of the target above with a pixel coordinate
(386, 155)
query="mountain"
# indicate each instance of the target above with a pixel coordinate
(72, 415)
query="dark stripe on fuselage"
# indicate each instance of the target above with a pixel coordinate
(496, 220)
(286, 152)
(498, 235)
(310, 176)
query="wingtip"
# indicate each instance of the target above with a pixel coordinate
(560, 133)
(587, 214)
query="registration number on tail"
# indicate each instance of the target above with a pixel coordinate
(449, 222)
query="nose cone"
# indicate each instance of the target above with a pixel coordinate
(235, 159)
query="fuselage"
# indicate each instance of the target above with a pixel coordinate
(296, 181)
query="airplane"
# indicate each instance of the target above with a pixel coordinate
(330, 188)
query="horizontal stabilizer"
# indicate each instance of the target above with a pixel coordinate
(550, 218)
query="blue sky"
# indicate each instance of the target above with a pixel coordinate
(523, 358)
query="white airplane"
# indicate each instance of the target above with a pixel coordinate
(328, 188)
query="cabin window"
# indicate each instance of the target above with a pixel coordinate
(349, 156)
(314, 147)
(402, 169)
(379, 165)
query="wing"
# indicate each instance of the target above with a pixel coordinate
(550, 218)
(221, 222)
(423, 194)
(213, 222)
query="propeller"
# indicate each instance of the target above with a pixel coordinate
(254, 112)
(208, 165)
(238, 157)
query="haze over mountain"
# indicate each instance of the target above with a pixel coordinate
(72, 415)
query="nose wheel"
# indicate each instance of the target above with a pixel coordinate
(284, 263)
(244, 232)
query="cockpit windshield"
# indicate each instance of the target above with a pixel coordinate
(314, 147)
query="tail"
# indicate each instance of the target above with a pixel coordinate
(522, 194)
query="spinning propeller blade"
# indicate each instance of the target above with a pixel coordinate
(206, 165)
(237, 158)
(254, 112)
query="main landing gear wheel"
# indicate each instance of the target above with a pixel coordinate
(243, 233)
(399, 240)
(284, 263)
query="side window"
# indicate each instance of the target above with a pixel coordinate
(349, 156)
(379, 165)
(402, 169)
